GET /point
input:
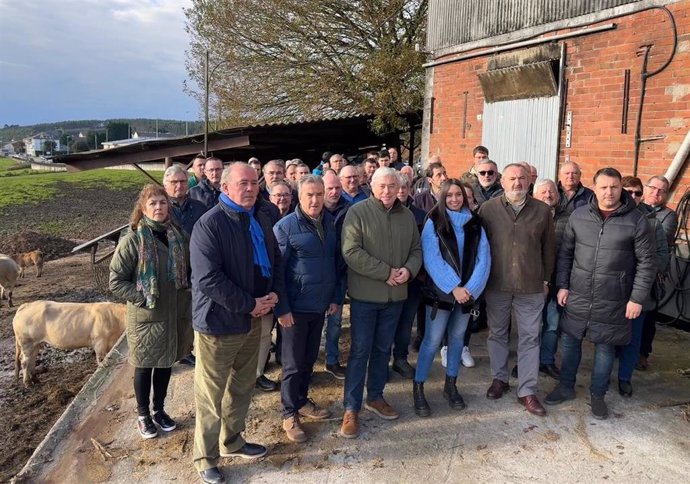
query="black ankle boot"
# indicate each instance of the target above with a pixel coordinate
(421, 406)
(450, 393)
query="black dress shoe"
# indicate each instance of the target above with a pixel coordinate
(403, 368)
(212, 476)
(247, 451)
(625, 388)
(266, 385)
(189, 360)
(551, 370)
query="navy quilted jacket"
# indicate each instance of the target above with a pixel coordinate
(311, 265)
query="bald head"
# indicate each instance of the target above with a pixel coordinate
(333, 188)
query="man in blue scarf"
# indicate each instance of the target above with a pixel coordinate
(237, 278)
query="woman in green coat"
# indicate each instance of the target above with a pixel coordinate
(149, 268)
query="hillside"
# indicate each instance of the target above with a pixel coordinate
(165, 126)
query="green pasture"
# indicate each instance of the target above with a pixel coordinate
(24, 186)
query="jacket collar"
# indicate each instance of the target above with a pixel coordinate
(627, 205)
(397, 205)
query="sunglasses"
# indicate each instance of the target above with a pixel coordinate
(637, 193)
(487, 173)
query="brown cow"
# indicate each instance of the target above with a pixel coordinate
(35, 257)
(9, 272)
(65, 326)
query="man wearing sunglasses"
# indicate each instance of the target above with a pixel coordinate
(488, 185)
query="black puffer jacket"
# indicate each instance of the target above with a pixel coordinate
(605, 264)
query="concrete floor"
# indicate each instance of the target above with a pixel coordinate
(646, 438)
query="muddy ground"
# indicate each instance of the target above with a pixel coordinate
(55, 227)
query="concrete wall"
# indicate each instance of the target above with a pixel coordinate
(595, 72)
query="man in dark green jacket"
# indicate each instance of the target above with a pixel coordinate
(382, 250)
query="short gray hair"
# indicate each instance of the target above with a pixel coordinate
(309, 179)
(279, 183)
(662, 179)
(225, 176)
(386, 171)
(173, 170)
(544, 181)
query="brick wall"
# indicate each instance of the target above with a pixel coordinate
(595, 70)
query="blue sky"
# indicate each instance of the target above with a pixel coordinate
(93, 59)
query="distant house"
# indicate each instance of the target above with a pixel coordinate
(41, 144)
(7, 149)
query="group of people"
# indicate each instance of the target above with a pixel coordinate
(239, 257)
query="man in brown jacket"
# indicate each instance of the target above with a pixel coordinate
(521, 235)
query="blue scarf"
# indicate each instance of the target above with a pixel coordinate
(260, 253)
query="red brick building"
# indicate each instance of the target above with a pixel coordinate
(546, 81)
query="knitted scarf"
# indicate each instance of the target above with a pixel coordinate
(147, 268)
(260, 252)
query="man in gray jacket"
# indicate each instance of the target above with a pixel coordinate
(605, 270)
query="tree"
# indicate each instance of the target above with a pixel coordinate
(117, 130)
(286, 60)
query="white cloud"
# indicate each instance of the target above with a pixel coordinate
(77, 59)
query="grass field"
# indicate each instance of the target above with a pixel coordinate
(20, 187)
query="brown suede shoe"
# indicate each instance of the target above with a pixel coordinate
(497, 389)
(293, 429)
(532, 404)
(312, 410)
(350, 427)
(381, 408)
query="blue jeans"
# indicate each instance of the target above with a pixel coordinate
(372, 327)
(404, 332)
(550, 316)
(629, 354)
(333, 326)
(455, 324)
(571, 354)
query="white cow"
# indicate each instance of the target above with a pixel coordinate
(65, 326)
(9, 273)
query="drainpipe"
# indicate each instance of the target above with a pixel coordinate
(678, 160)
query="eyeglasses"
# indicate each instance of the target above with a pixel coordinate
(656, 189)
(487, 173)
(637, 193)
(353, 177)
(281, 195)
(177, 182)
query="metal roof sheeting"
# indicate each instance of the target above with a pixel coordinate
(523, 130)
(453, 22)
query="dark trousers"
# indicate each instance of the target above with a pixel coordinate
(143, 378)
(300, 349)
(372, 328)
(403, 332)
(648, 332)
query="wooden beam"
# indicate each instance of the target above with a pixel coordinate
(115, 159)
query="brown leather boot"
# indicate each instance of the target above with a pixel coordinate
(293, 429)
(350, 427)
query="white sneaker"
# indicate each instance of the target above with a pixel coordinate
(444, 356)
(467, 360)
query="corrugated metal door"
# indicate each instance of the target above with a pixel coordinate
(523, 130)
